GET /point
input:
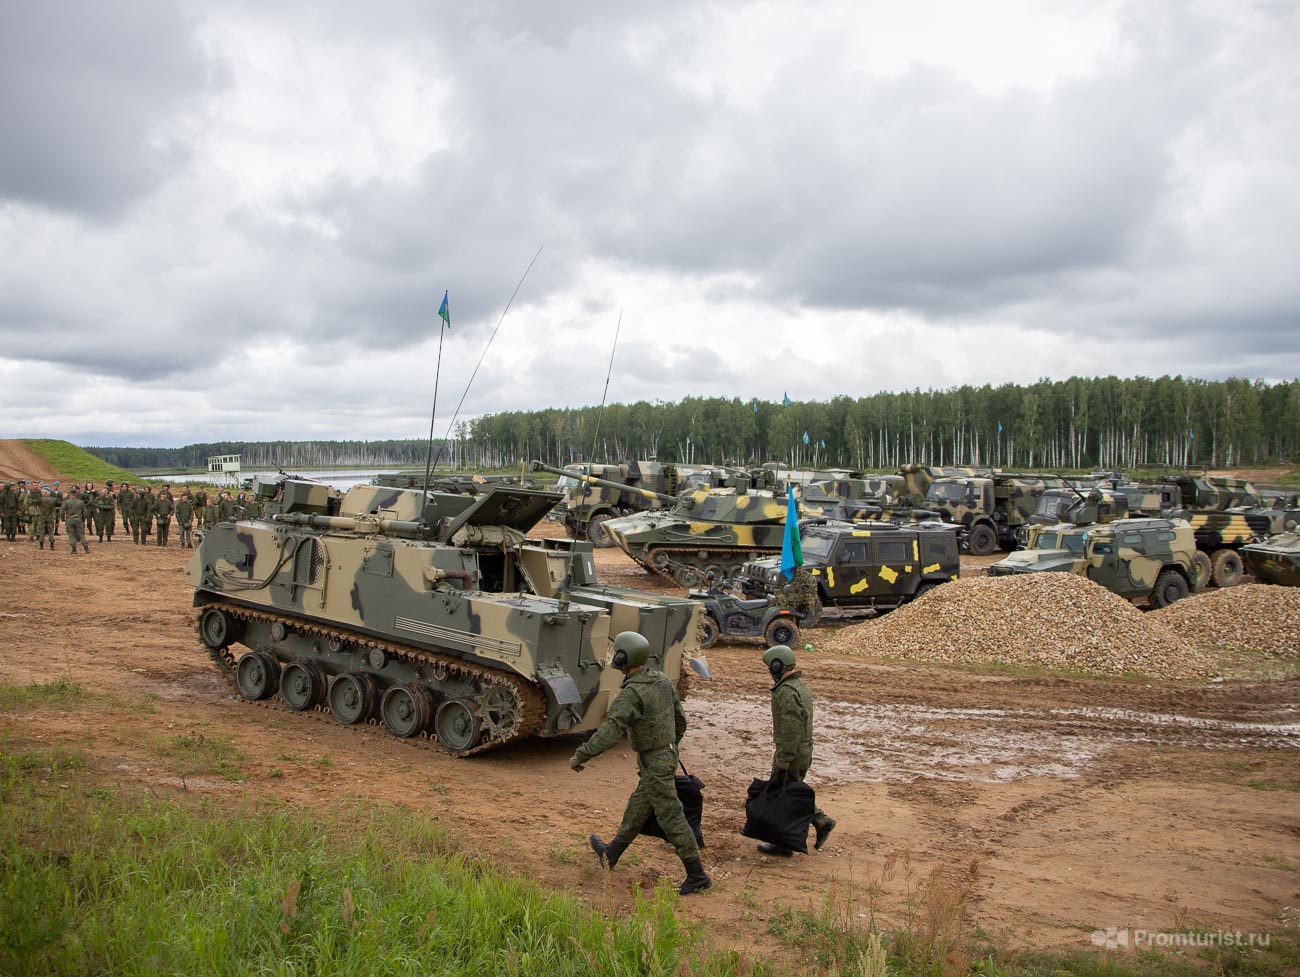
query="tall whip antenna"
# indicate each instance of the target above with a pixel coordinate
(465, 394)
(596, 440)
(444, 313)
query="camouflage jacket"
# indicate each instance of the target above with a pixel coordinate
(184, 511)
(126, 501)
(142, 505)
(72, 508)
(163, 506)
(8, 500)
(646, 709)
(104, 501)
(49, 506)
(792, 721)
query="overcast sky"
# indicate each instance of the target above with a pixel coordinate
(237, 220)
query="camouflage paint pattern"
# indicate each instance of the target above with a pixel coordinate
(1233, 528)
(1126, 556)
(400, 598)
(1000, 501)
(1275, 560)
(1215, 492)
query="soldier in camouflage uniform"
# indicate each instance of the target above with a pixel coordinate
(47, 513)
(163, 508)
(73, 514)
(200, 508)
(142, 512)
(185, 520)
(211, 515)
(105, 506)
(9, 508)
(126, 509)
(32, 507)
(648, 711)
(792, 725)
(58, 500)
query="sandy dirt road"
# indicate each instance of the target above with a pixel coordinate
(1080, 804)
(19, 461)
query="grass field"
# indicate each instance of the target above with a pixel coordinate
(75, 464)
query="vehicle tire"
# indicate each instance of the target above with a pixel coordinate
(352, 698)
(1227, 568)
(689, 577)
(302, 685)
(782, 631)
(813, 616)
(597, 533)
(406, 710)
(218, 629)
(982, 540)
(1202, 570)
(709, 631)
(1170, 586)
(924, 589)
(456, 725)
(257, 676)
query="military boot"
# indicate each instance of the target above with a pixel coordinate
(776, 851)
(608, 854)
(824, 827)
(696, 878)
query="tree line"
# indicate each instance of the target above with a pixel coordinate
(1052, 424)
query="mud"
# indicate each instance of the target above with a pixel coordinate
(1085, 804)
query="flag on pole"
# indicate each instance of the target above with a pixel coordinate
(1191, 434)
(823, 442)
(785, 400)
(444, 310)
(755, 405)
(805, 437)
(999, 427)
(791, 550)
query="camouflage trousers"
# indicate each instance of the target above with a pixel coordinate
(798, 771)
(187, 535)
(145, 526)
(656, 791)
(9, 521)
(164, 524)
(77, 533)
(128, 524)
(43, 530)
(104, 523)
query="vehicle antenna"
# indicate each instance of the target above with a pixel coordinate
(437, 372)
(596, 440)
(465, 394)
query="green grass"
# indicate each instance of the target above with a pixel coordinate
(75, 464)
(194, 754)
(60, 691)
(97, 879)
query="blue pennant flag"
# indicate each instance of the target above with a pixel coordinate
(444, 310)
(805, 437)
(785, 400)
(999, 427)
(755, 405)
(791, 550)
(823, 442)
(1191, 434)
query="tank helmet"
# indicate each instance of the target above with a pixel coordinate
(631, 650)
(779, 659)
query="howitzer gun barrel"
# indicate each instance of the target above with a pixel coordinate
(364, 524)
(537, 466)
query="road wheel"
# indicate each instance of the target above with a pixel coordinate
(596, 531)
(302, 685)
(782, 631)
(218, 629)
(456, 725)
(352, 698)
(1202, 570)
(983, 540)
(406, 710)
(1227, 568)
(689, 577)
(257, 676)
(1170, 586)
(709, 630)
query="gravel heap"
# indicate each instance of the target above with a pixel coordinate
(1252, 617)
(1046, 620)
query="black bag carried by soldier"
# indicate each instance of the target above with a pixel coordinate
(690, 790)
(779, 811)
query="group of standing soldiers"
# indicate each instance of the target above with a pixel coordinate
(37, 508)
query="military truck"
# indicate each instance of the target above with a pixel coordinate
(1139, 559)
(917, 478)
(854, 566)
(989, 509)
(1220, 536)
(429, 613)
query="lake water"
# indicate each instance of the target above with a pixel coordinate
(343, 479)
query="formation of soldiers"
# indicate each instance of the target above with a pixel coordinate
(35, 509)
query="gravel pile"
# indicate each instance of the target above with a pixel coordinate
(1046, 620)
(1252, 617)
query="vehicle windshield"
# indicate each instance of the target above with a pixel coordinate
(566, 483)
(946, 492)
(1071, 542)
(1052, 506)
(816, 548)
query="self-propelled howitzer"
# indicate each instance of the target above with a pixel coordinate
(431, 613)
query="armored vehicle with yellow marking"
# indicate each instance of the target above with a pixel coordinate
(1140, 559)
(989, 509)
(624, 489)
(855, 566)
(432, 614)
(716, 530)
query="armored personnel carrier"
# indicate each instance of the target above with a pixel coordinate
(428, 613)
(1275, 560)
(716, 530)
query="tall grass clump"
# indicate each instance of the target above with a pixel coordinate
(99, 880)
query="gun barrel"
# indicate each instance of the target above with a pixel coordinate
(537, 466)
(388, 527)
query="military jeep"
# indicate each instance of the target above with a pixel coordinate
(855, 567)
(1139, 559)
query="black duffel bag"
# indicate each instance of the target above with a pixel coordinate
(779, 811)
(690, 791)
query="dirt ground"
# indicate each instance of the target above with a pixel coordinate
(1081, 804)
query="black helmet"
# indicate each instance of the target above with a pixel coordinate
(779, 659)
(631, 650)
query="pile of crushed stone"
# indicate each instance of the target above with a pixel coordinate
(1252, 617)
(1044, 620)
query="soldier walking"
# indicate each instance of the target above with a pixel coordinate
(105, 506)
(792, 733)
(648, 711)
(142, 511)
(32, 507)
(126, 509)
(185, 520)
(58, 499)
(163, 508)
(47, 513)
(73, 513)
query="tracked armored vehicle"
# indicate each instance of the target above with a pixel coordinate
(429, 613)
(1275, 560)
(716, 530)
